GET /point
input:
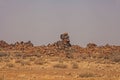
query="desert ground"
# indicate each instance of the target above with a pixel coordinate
(56, 68)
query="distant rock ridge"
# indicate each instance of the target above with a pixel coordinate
(18, 45)
(61, 47)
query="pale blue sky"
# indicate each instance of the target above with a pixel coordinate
(42, 21)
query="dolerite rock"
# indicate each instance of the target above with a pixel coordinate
(65, 39)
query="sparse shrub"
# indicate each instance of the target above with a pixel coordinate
(37, 55)
(69, 55)
(40, 62)
(86, 75)
(84, 56)
(25, 62)
(6, 60)
(60, 65)
(115, 57)
(106, 56)
(10, 65)
(3, 54)
(18, 54)
(31, 55)
(97, 55)
(32, 58)
(75, 65)
(60, 61)
(17, 61)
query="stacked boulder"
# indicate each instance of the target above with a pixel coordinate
(65, 39)
(64, 42)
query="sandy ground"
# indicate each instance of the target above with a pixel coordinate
(55, 68)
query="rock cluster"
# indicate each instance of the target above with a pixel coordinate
(17, 46)
(23, 45)
(3, 44)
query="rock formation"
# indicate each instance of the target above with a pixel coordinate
(64, 42)
(3, 44)
(65, 39)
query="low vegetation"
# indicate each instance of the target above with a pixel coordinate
(75, 65)
(86, 75)
(60, 65)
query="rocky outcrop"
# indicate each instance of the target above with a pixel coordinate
(62, 48)
(17, 46)
(64, 42)
(3, 44)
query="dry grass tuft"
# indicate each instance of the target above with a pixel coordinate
(86, 75)
(25, 62)
(39, 62)
(75, 65)
(60, 65)
(18, 61)
(10, 65)
(115, 57)
(3, 54)
(32, 58)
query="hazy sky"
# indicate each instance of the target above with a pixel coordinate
(42, 21)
